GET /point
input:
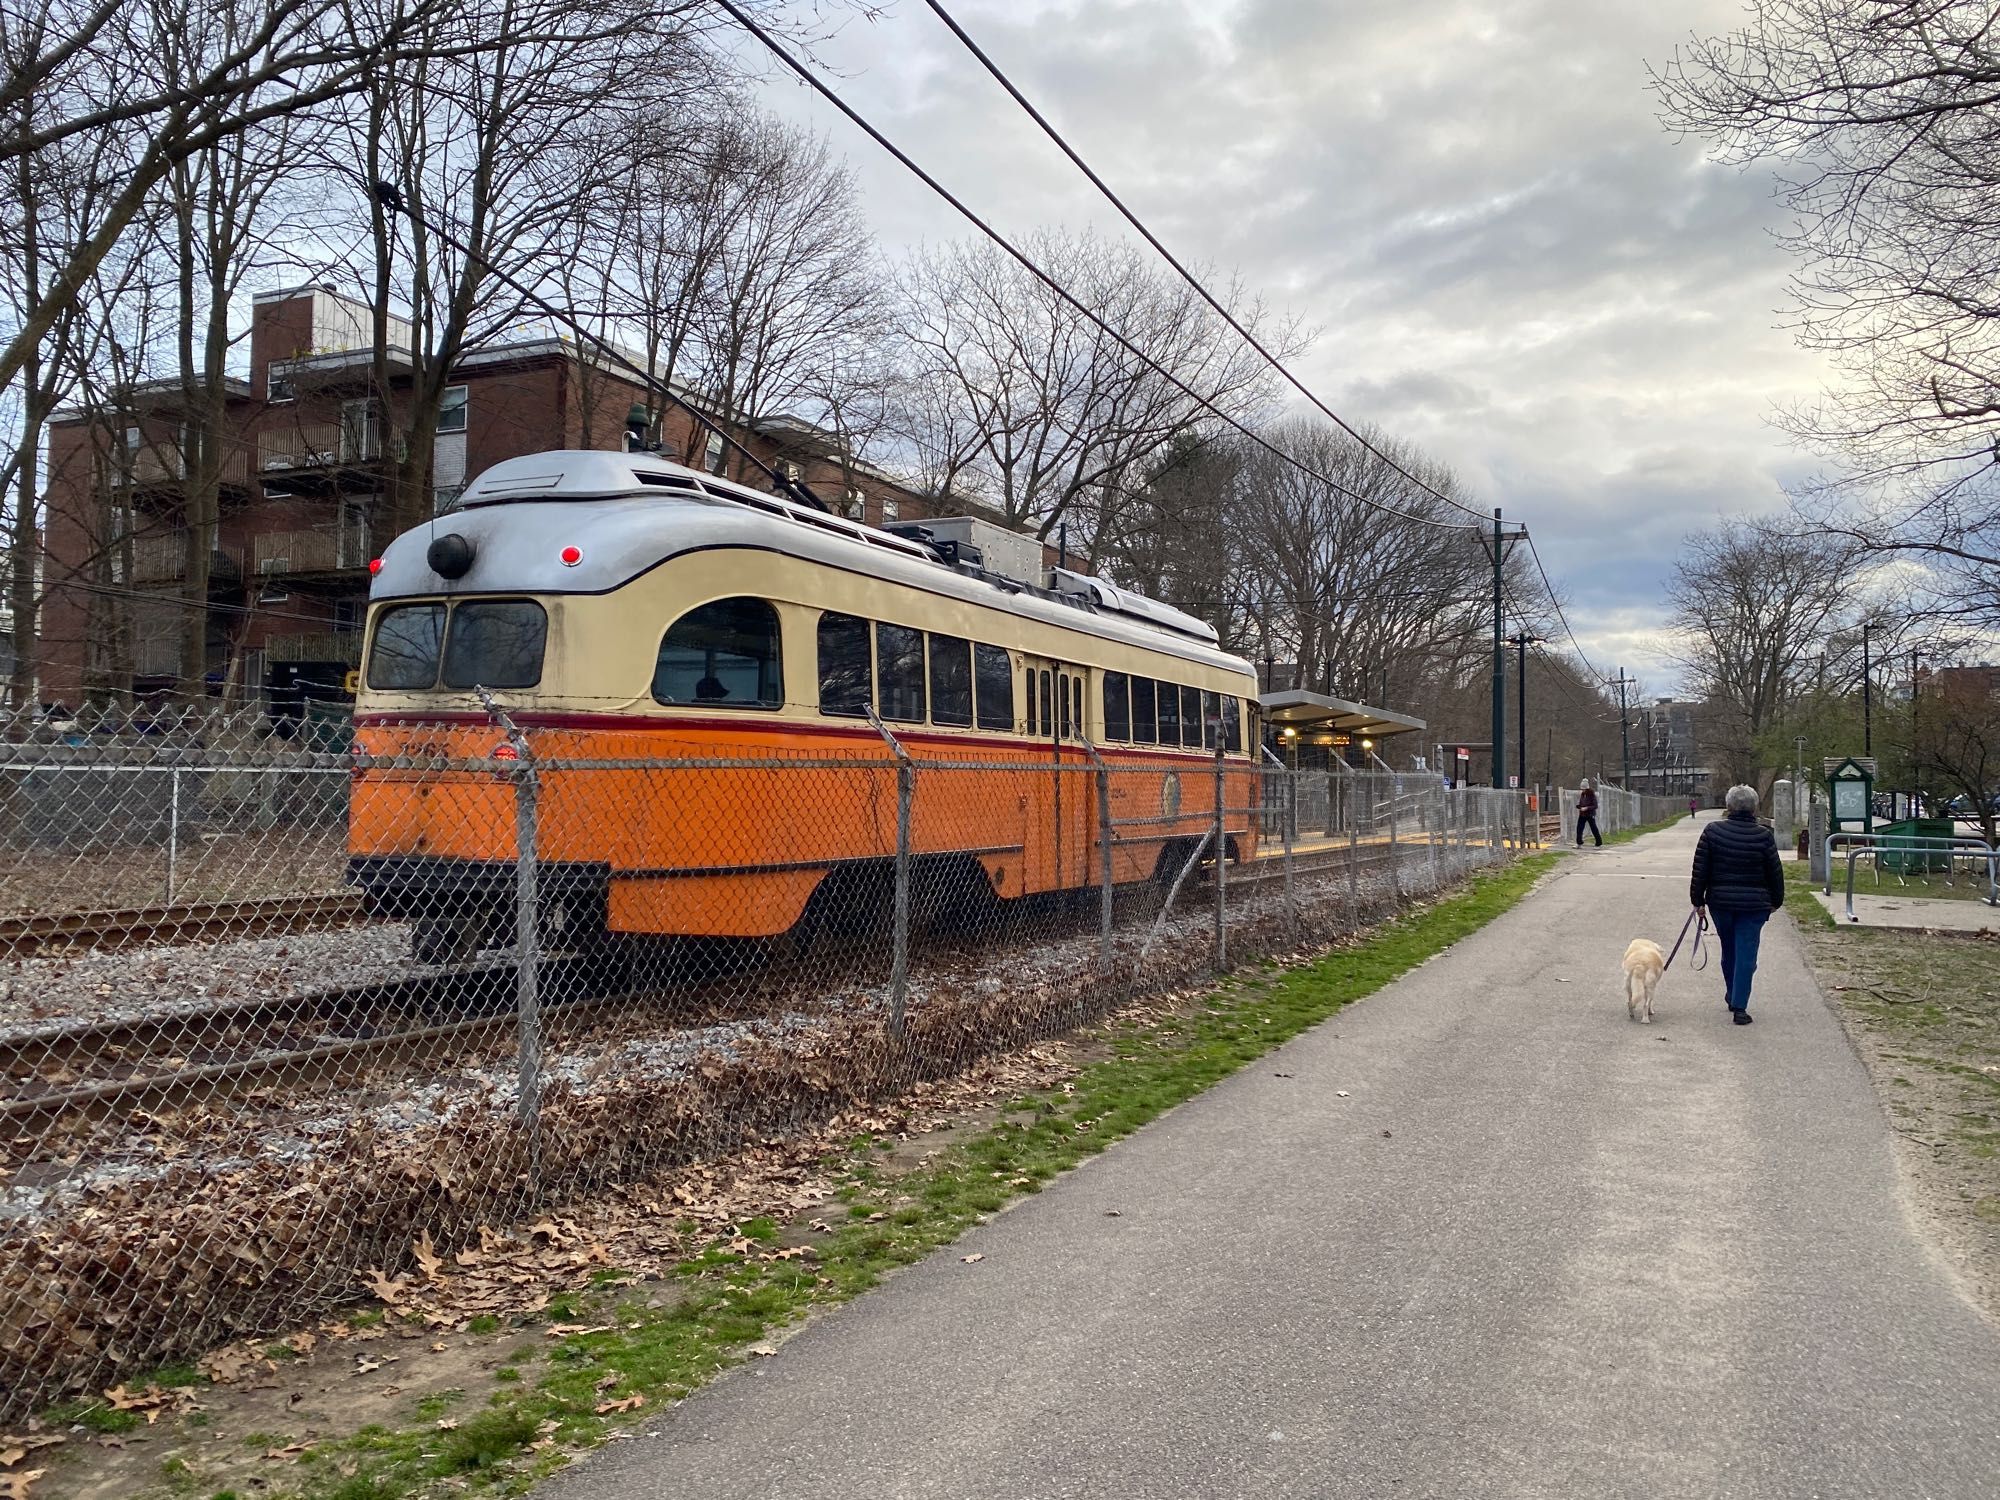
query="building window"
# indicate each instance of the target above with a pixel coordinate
(891, 509)
(452, 410)
(711, 457)
(279, 388)
(722, 655)
(445, 498)
(855, 506)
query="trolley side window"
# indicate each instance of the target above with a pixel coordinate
(899, 667)
(1170, 714)
(723, 654)
(994, 671)
(1190, 717)
(951, 681)
(1117, 708)
(1232, 724)
(409, 639)
(1145, 719)
(844, 674)
(1211, 719)
(495, 643)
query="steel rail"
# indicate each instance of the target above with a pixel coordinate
(180, 922)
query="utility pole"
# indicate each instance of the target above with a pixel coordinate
(1867, 693)
(1624, 737)
(1521, 643)
(1499, 661)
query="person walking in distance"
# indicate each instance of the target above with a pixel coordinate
(1586, 812)
(1694, 806)
(1738, 879)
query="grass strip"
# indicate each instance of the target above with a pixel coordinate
(663, 1344)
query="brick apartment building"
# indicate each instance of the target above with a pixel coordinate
(302, 472)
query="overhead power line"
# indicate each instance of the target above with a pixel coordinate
(1171, 259)
(813, 81)
(1535, 553)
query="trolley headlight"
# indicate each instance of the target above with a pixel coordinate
(450, 555)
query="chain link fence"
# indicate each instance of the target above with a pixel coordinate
(282, 1018)
(1619, 810)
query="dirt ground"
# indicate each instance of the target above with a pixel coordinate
(1923, 1010)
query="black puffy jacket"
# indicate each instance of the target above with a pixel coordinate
(1736, 866)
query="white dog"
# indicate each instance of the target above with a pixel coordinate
(1644, 964)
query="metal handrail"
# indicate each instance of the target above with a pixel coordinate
(1959, 846)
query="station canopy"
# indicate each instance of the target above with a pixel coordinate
(1314, 714)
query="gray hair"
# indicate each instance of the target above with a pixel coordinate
(1740, 799)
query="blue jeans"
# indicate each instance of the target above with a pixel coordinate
(1737, 934)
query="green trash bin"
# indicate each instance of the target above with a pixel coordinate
(1912, 857)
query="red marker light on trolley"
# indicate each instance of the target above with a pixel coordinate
(571, 556)
(503, 751)
(374, 566)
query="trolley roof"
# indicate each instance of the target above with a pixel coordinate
(626, 513)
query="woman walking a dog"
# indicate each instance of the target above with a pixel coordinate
(1738, 878)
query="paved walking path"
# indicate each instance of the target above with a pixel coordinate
(1535, 1251)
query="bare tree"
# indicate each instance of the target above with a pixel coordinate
(473, 138)
(1884, 120)
(794, 290)
(1032, 405)
(1754, 606)
(79, 61)
(1955, 742)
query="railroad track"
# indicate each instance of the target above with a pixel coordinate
(178, 923)
(324, 1038)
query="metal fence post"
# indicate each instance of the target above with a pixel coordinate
(527, 941)
(1332, 805)
(1353, 859)
(173, 829)
(1104, 859)
(1221, 870)
(1395, 875)
(527, 954)
(899, 967)
(1288, 811)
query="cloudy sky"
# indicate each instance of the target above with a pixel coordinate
(1508, 260)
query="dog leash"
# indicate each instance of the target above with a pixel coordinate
(1699, 954)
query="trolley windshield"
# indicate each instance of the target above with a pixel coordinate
(493, 643)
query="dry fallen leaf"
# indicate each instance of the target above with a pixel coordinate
(631, 1403)
(447, 1424)
(290, 1450)
(15, 1486)
(975, 1256)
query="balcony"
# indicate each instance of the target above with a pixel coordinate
(320, 645)
(315, 549)
(162, 466)
(161, 557)
(305, 458)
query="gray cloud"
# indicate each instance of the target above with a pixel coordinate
(1509, 262)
